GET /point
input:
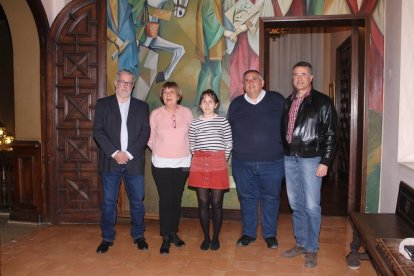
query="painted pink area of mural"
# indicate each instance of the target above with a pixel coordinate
(243, 58)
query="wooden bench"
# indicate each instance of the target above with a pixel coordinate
(369, 228)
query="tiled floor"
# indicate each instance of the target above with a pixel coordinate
(70, 250)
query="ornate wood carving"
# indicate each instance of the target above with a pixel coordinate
(76, 70)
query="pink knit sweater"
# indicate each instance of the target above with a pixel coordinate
(167, 141)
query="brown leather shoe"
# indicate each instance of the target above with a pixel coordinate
(310, 259)
(294, 251)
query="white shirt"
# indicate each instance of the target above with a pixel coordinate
(259, 98)
(124, 109)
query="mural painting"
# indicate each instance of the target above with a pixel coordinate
(204, 44)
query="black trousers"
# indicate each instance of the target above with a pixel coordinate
(170, 185)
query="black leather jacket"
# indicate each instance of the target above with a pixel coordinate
(314, 133)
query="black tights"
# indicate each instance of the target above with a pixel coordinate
(206, 197)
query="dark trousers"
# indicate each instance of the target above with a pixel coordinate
(170, 185)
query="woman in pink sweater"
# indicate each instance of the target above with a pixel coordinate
(171, 159)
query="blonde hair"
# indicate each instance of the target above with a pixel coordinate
(171, 85)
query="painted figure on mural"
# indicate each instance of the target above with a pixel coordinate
(122, 49)
(211, 29)
(244, 15)
(154, 41)
(133, 30)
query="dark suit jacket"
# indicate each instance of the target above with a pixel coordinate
(107, 133)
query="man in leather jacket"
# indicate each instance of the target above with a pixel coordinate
(309, 138)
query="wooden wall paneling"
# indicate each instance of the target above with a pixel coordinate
(27, 185)
(76, 70)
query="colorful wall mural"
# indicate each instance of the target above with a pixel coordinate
(204, 44)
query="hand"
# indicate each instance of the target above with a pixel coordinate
(322, 170)
(120, 44)
(121, 158)
(230, 35)
(240, 29)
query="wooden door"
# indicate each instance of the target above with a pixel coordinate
(353, 156)
(335, 186)
(76, 78)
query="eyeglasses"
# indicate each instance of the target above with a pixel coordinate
(127, 83)
(174, 123)
(303, 75)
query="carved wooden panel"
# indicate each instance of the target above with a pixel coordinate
(27, 184)
(76, 71)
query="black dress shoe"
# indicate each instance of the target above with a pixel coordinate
(175, 239)
(271, 242)
(245, 240)
(141, 243)
(215, 244)
(165, 246)
(104, 246)
(205, 244)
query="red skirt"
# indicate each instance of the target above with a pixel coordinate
(209, 170)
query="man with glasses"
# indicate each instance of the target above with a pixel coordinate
(121, 131)
(309, 137)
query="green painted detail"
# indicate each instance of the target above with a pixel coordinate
(315, 7)
(373, 161)
(372, 196)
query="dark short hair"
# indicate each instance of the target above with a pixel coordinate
(172, 85)
(252, 71)
(211, 94)
(304, 64)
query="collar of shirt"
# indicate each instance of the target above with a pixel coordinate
(307, 93)
(259, 98)
(125, 103)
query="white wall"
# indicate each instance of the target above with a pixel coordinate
(53, 7)
(398, 83)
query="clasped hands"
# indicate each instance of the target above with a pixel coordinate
(233, 35)
(121, 157)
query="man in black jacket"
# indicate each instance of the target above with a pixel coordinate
(121, 130)
(309, 138)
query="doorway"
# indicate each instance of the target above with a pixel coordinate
(340, 73)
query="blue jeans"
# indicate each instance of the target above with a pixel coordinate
(134, 186)
(258, 181)
(304, 194)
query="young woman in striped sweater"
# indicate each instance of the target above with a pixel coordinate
(210, 144)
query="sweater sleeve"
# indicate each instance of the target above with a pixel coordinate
(191, 137)
(227, 137)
